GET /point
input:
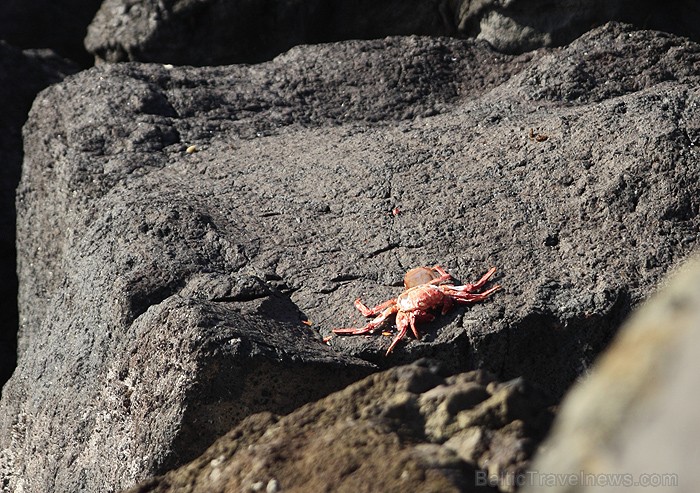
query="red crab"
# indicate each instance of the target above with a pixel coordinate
(424, 292)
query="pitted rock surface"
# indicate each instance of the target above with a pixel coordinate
(22, 75)
(153, 272)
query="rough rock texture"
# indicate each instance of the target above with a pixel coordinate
(160, 388)
(406, 429)
(635, 416)
(147, 271)
(22, 76)
(59, 25)
(215, 32)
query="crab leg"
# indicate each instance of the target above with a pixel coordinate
(465, 297)
(403, 321)
(372, 325)
(396, 340)
(470, 288)
(371, 312)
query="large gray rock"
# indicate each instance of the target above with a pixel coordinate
(153, 278)
(214, 32)
(633, 421)
(22, 76)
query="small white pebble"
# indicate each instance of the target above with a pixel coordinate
(273, 486)
(191, 149)
(218, 461)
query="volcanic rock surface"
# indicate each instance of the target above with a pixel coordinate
(177, 227)
(22, 75)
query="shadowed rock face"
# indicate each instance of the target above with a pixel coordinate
(406, 429)
(163, 292)
(22, 76)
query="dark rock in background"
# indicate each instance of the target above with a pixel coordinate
(216, 32)
(635, 418)
(59, 25)
(574, 171)
(408, 429)
(521, 25)
(22, 76)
